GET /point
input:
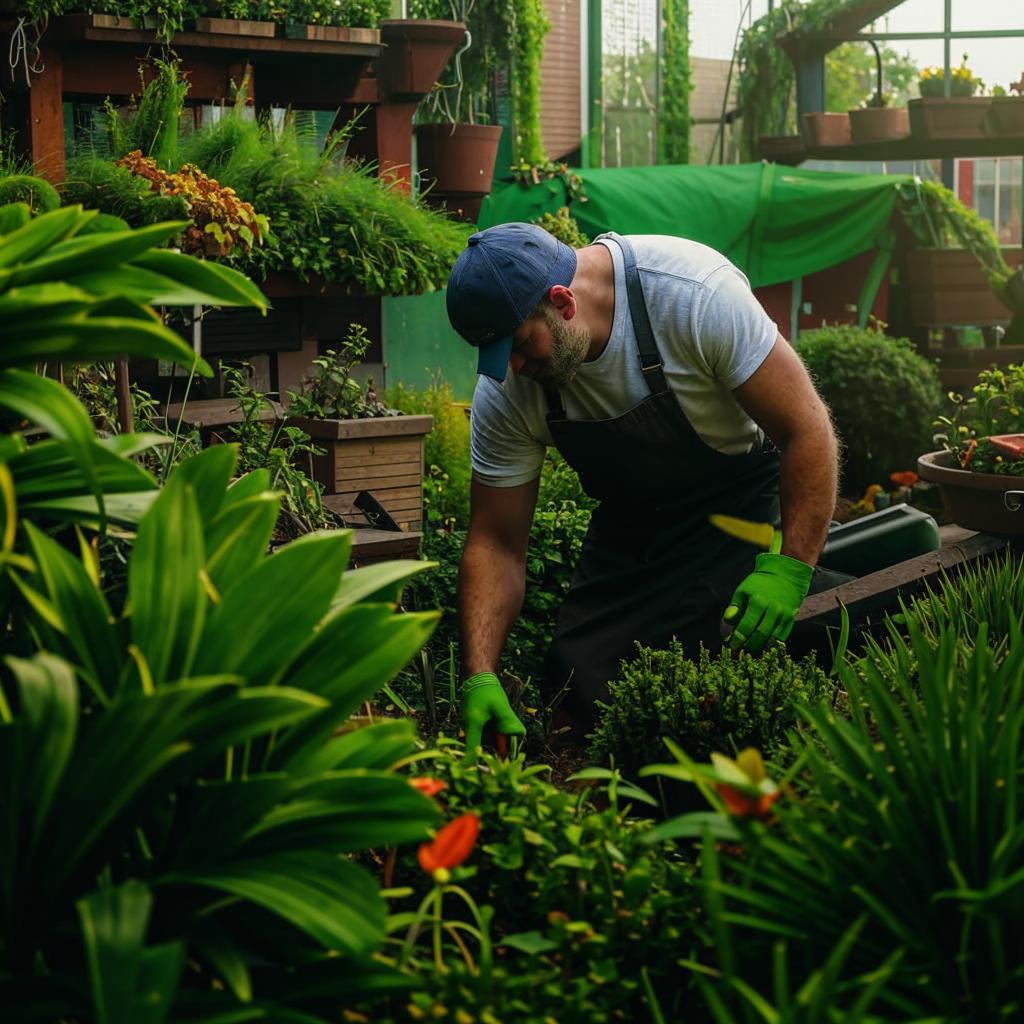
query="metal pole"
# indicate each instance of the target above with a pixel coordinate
(948, 166)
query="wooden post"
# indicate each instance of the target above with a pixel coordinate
(41, 121)
(124, 397)
(387, 138)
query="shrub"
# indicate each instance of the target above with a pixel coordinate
(884, 399)
(581, 904)
(721, 702)
(564, 226)
(99, 184)
(39, 195)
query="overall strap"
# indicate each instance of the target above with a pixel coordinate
(647, 347)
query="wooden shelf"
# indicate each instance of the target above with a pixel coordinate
(900, 149)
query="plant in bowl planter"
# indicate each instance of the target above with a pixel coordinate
(1006, 114)
(961, 115)
(877, 121)
(979, 468)
(367, 446)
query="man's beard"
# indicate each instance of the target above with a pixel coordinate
(569, 349)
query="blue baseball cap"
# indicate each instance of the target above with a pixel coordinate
(497, 282)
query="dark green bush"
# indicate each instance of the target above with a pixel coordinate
(40, 196)
(98, 184)
(884, 399)
(720, 703)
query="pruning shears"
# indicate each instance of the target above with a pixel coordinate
(762, 535)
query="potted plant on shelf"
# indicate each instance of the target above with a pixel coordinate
(980, 469)
(1006, 114)
(349, 21)
(876, 121)
(958, 272)
(367, 446)
(242, 17)
(456, 137)
(960, 115)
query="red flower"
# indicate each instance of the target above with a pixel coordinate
(743, 805)
(907, 478)
(451, 846)
(427, 786)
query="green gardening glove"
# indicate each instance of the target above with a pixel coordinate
(484, 700)
(766, 602)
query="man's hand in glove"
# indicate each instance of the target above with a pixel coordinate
(765, 604)
(484, 701)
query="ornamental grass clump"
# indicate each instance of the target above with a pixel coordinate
(720, 702)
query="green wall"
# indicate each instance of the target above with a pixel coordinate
(420, 345)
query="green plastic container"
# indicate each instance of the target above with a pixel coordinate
(879, 540)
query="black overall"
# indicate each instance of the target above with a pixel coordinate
(652, 566)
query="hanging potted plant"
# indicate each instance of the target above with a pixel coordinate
(961, 115)
(876, 121)
(1006, 114)
(456, 137)
(366, 446)
(958, 272)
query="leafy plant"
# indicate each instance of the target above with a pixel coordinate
(354, 13)
(722, 702)
(333, 393)
(99, 184)
(176, 775)
(676, 84)
(221, 222)
(564, 227)
(883, 396)
(962, 81)
(39, 195)
(908, 823)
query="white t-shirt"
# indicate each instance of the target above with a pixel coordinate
(712, 334)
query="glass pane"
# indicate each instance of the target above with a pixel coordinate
(994, 61)
(915, 16)
(985, 201)
(985, 171)
(629, 81)
(975, 15)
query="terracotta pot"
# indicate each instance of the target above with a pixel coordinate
(1006, 116)
(879, 124)
(415, 55)
(458, 159)
(961, 117)
(820, 129)
(948, 287)
(976, 501)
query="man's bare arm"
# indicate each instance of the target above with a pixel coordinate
(492, 575)
(781, 399)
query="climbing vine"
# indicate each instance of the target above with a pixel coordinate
(765, 92)
(674, 102)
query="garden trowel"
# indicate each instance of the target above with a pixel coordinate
(763, 535)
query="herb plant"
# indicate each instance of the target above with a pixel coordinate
(332, 393)
(564, 227)
(884, 398)
(721, 702)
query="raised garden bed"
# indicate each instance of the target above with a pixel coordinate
(947, 286)
(382, 455)
(949, 117)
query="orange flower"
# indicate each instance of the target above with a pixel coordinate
(969, 454)
(427, 786)
(907, 478)
(743, 805)
(451, 846)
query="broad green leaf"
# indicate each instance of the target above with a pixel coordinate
(255, 482)
(48, 405)
(130, 983)
(329, 898)
(381, 582)
(14, 216)
(124, 509)
(165, 590)
(50, 469)
(531, 943)
(103, 222)
(344, 812)
(93, 641)
(135, 283)
(86, 253)
(268, 614)
(208, 475)
(36, 236)
(693, 826)
(49, 708)
(378, 746)
(237, 539)
(53, 300)
(211, 283)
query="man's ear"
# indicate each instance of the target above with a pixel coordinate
(563, 300)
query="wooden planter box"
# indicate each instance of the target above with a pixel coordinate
(382, 455)
(331, 33)
(947, 287)
(235, 27)
(822, 129)
(1006, 117)
(955, 117)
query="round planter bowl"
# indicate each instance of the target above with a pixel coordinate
(976, 501)
(879, 124)
(821, 129)
(458, 158)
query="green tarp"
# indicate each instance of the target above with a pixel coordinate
(775, 223)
